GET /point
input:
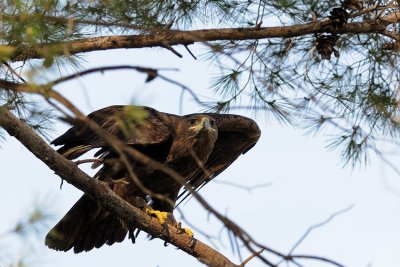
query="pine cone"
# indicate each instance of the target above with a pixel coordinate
(326, 45)
(339, 17)
(352, 4)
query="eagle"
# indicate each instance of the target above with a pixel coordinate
(197, 146)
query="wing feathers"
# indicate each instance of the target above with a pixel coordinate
(236, 136)
(121, 121)
(87, 225)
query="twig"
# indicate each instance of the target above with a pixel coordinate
(14, 72)
(102, 69)
(309, 230)
(251, 257)
(391, 35)
(388, 162)
(170, 48)
(310, 257)
(244, 187)
(190, 52)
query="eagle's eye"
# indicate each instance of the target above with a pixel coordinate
(193, 121)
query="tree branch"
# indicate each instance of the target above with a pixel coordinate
(100, 191)
(176, 37)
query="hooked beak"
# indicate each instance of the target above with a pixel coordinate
(205, 123)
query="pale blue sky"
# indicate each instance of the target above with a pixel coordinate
(308, 182)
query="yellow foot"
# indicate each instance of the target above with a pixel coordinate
(184, 230)
(160, 215)
(188, 232)
(167, 218)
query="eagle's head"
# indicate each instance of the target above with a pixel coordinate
(202, 127)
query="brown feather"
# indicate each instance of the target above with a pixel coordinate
(186, 144)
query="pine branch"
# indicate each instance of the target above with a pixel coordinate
(100, 191)
(176, 37)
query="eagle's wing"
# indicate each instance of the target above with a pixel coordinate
(120, 121)
(87, 225)
(236, 135)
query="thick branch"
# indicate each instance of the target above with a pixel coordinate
(176, 37)
(100, 191)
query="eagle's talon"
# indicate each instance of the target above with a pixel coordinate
(165, 228)
(180, 229)
(160, 215)
(188, 232)
(192, 240)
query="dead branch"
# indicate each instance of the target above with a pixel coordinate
(148, 71)
(249, 189)
(251, 257)
(309, 230)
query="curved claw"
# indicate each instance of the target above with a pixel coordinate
(181, 229)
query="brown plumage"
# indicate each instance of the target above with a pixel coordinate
(179, 142)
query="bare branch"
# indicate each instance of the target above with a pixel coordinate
(309, 230)
(148, 71)
(14, 72)
(251, 257)
(310, 257)
(176, 37)
(250, 188)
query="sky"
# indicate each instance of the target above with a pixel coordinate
(304, 183)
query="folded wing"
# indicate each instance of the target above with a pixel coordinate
(236, 136)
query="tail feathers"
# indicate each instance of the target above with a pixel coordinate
(63, 235)
(106, 231)
(85, 227)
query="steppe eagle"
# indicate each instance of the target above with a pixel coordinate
(197, 146)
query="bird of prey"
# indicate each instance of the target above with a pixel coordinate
(197, 146)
